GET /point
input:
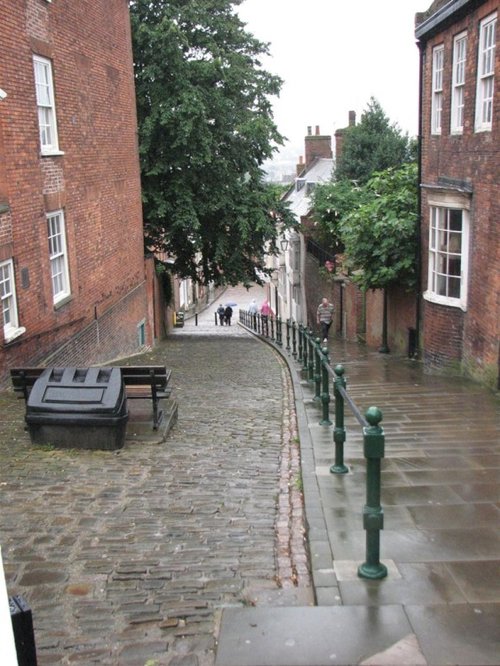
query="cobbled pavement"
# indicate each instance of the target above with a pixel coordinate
(129, 556)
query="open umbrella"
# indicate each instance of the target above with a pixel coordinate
(231, 304)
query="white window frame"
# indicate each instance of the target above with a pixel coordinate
(58, 256)
(437, 89)
(458, 84)
(485, 73)
(45, 101)
(10, 318)
(439, 255)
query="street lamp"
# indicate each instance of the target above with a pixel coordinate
(284, 244)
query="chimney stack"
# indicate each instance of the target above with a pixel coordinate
(317, 146)
(300, 166)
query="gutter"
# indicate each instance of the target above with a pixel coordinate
(434, 21)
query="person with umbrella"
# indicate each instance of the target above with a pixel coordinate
(221, 312)
(265, 313)
(228, 313)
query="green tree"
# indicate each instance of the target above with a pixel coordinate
(331, 202)
(375, 144)
(380, 234)
(205, 129)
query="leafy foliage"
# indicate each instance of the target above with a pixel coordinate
(205, 128)
(380, 234)
(372, 145)
(331, 203)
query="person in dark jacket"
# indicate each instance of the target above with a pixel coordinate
(222, 313)
(228, 313)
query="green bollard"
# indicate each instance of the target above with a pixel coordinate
(339, 430)
(279, 332)
(325, 386)
(288, 335)
(310, 356)
(301, 343)
(305, 347)
(317, 371)
(294, 340)
(373, 514)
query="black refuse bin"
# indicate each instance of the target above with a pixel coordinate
(78, 408)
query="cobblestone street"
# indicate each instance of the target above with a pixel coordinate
(128, 557)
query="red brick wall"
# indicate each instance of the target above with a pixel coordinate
(466, 340)
(96, 181)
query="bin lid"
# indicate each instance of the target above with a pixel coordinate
(77, 390)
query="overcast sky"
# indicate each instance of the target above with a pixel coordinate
(333, 56)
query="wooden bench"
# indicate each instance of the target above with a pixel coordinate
(141, 382)
(147, 381)
(23, 380)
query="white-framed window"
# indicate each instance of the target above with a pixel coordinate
(458, 83)
(448, 255)
(437, 88)
(11, 327)
(485, 73)
(58, 255)
(45, 102)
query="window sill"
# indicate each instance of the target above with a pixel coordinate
(52, 153)
(12, 334)
(62, 302)
(445, 300)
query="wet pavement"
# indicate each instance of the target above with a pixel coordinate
(191, 551)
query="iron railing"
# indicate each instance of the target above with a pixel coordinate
(314, 363)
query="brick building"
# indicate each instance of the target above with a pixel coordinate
(460, 179)
(72, 271)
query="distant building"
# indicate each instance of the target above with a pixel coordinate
(460, 182)
(72, 272)
(289, 299)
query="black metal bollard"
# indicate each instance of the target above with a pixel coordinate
(339, 430)
(288, 335)
(22, 626)
(294, 340)
(373, 514)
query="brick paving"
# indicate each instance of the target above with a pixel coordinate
(129, 556)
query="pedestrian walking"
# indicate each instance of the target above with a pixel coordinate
(222, 313)
(228, 313)
(265, 313)
(252, 311)
(324, 317)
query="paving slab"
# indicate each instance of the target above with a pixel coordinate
(319, 636)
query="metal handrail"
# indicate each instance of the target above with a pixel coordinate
(315, 364)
